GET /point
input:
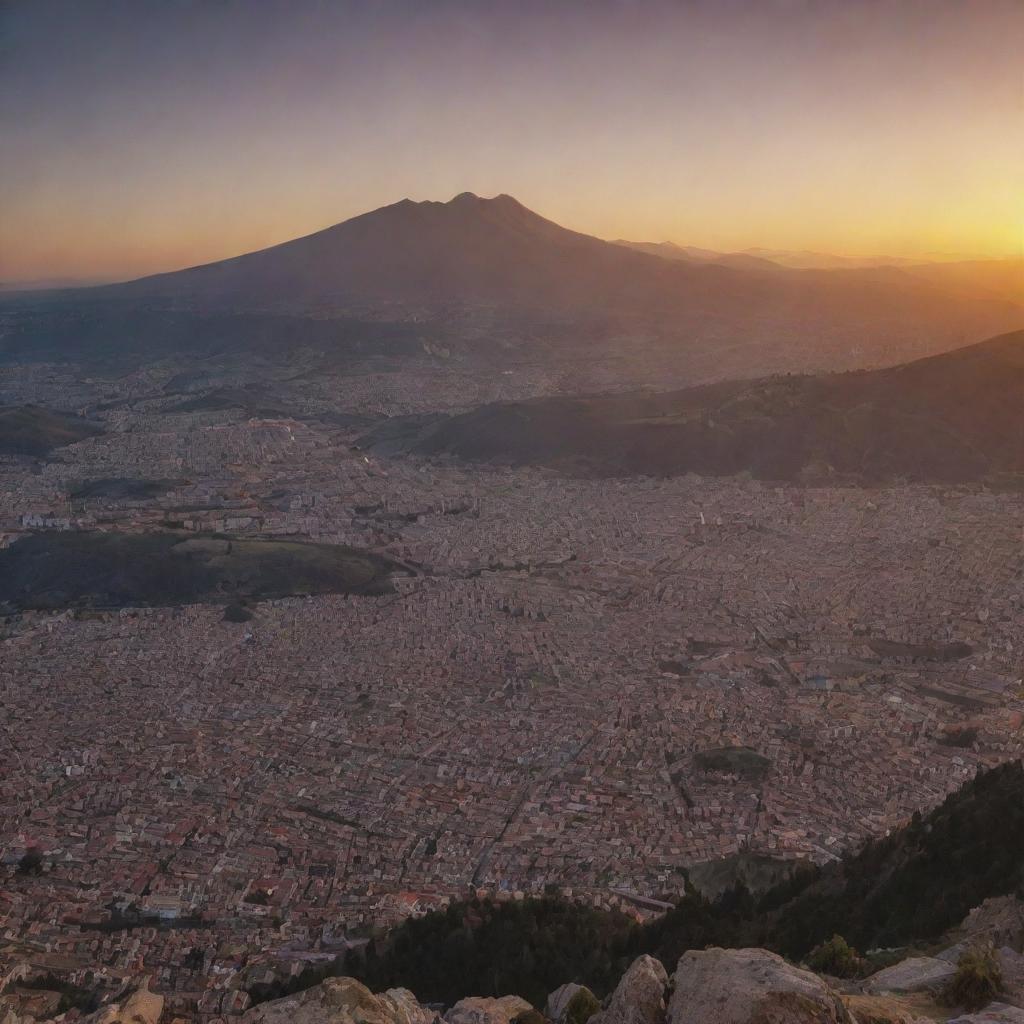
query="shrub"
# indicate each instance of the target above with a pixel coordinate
(530, 1017)
(978, 979)
(582, 1007)
(836, 957)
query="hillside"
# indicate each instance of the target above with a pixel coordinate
(31, 430)
(907, 888)
(118, 570)
(955, 417)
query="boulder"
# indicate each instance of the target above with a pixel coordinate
(141, 1007)
(477, 1010)
(994, 1013)
(403, 1007)
(558, 1001)
(639, 998)
(341, 1001)
(1012, 965)
(915, 974)
(882, 1010)
(749, 986)
(999, 920)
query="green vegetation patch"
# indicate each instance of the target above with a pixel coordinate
(977, 982)
(118, 570)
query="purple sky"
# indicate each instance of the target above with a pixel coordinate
(140, 136)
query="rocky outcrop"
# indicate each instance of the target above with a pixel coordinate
(402, 1007)
(882, 1010)
(141, 1007)
(749, 986)
(487, 1011)
(558, 1001)
(999, 920)
(341, 1001)
(996, 1013)
(915, 974)
(639, 997)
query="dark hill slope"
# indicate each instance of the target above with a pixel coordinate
(955, 417)
(909, 887)
(32, 430)
(93, 569)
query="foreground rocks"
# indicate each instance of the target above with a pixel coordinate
(882, 1010)
(915, 974)
(712, 986)
(141, 1007)
(487, 1011)
(340, 1001)
(997, 1013)
(558, 1001)
(750, 986)
(639, 997)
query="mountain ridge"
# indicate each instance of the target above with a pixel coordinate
(471, 250)
(955, 417)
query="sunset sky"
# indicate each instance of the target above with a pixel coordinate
(140, 136)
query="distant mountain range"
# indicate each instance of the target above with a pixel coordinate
(994, 278)
(488, 279)
(497, 252)
(956, 417)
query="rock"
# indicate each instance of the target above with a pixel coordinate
(141, 1007)
(749, 986)
(341, 1001)
(1012, 965)
(404, 1008)
(916, 974)
(953, 954)
(639, 998)
(994, 1013)
(558, 1001)
(881, 1010)
(999, 920)
(477, 1010)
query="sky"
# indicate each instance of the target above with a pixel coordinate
(145, 135)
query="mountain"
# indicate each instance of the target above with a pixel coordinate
(909, 887)
(491, 285)
(467, 251)
(804, 259)
(954, 417)
(495, 252)
(693, 254)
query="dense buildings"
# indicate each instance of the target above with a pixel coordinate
(588, 684)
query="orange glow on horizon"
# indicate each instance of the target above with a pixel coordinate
(164, 136)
